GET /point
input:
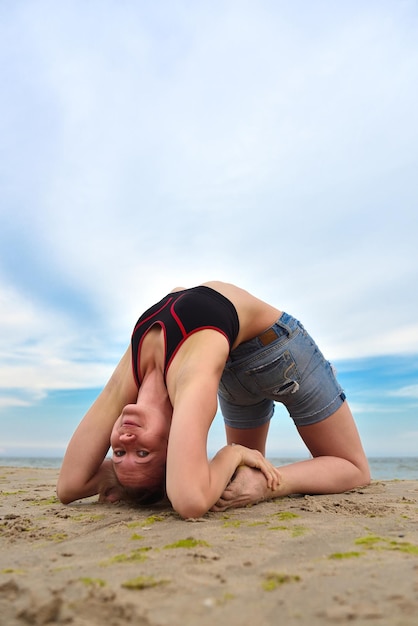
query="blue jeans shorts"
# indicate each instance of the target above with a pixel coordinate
(284, 365)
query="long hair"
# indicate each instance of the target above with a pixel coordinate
(112, 490)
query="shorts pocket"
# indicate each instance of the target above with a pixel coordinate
(277, 377)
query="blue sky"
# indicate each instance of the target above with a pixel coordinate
(152, 144)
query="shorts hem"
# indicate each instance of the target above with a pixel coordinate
(323, 414)
(248, 425)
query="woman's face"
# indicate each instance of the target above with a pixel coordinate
(139, 442)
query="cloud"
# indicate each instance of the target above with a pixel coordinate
(149, 145)
(44, 349)
(13, 401)
(410, 391)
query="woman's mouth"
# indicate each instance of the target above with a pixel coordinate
(129, 423)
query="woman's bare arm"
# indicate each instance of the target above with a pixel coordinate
(194, 483)
(83, 466)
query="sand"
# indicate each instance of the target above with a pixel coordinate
(347, 558)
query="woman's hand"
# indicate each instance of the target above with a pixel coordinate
(248, 486)
(254, 458)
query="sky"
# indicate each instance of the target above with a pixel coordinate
(147, 145)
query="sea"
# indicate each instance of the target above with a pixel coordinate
(387, 468)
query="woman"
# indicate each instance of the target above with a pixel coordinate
(157, 408)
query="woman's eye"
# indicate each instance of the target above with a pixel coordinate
(118, 453)
(142, 453)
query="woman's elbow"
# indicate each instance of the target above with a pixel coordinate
(189, 507)
(64, 494)
(63, 497)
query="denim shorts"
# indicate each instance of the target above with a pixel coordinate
(290, 369)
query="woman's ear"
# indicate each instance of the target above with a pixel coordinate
(111, 495)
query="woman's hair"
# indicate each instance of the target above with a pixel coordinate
(152, 491)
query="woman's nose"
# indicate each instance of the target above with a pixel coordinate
(127, 437)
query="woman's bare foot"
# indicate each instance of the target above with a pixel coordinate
(249, 486)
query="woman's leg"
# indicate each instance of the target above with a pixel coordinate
(338, 464)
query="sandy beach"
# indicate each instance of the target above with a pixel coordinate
(311, 560)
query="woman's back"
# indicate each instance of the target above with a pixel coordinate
(254, 315)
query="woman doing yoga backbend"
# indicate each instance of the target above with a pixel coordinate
(195, 345)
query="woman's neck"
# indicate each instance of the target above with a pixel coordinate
(153, 393)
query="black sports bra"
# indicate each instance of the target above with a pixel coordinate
(180, 314)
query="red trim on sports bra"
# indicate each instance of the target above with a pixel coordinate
(137, 378)
(176, 317)
(140, 323)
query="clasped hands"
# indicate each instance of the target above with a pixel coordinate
(254, 458)
(255, 480)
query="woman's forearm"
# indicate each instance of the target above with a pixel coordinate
(69, 489)
(80, 474)
(83, 458)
